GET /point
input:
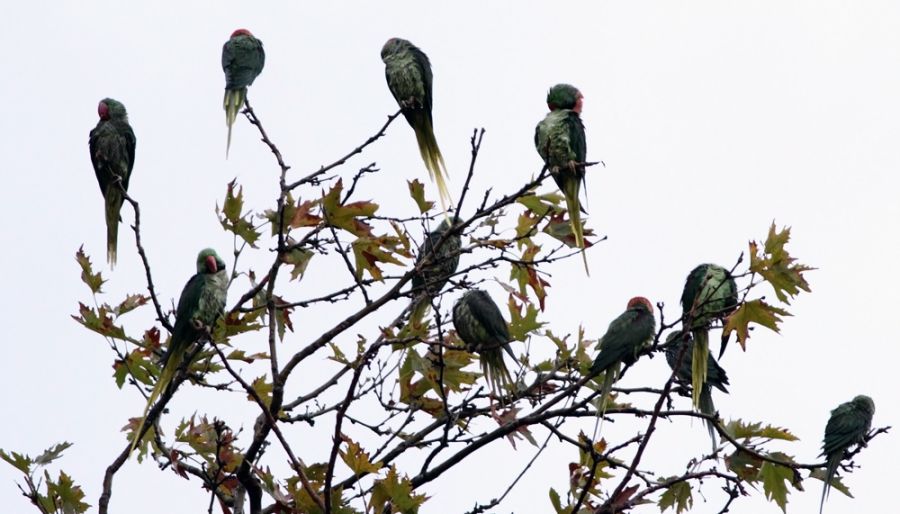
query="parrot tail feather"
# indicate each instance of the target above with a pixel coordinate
(830, 472)
(573, 205)
(165, 377)
(707, 407)
(114, 201)
(234, 99)
(699, 361)
(496, 372)
(608, 380)
(431, 155)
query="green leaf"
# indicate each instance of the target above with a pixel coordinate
(263, 389)
(777, 266)
(231, 218)
(99, 321)
(526, 275)
(357, 459)
(560, 228)
(67, 497)
(51, 454)
(345, 216)
(130, 303)
(370, 251)
(417, 192)
(397, 493)
(17, 460)
(677, 496)
(836, 483)
(298, 258)
(522, 325)
(754, 311)
(744, 465)
(740, 430)
(554, 500)
(775, 478)
(93, 280)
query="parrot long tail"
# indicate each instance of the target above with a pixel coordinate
(165, 377)
(234, 100)
(573, 205)
(608, 380)
(830, 472)
(699, 362)
(707, 407)
(431, 153)
(495, 371)
(114, 201)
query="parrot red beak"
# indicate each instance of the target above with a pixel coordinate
(579, 103)
(211, 264)
(103, 111)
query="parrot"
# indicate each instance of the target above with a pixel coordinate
(710, 293)
(560, 141)
(715, 375)
(201, 304)
(625, 338)
(432, 277)
(408, 73)
(112, 144)
(243, 58)
(848, 425)
(481, 327)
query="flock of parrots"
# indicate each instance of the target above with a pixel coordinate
(710, 292)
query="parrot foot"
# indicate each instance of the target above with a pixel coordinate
(573, 166)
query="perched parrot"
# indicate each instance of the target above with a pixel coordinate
(409, 78)
(625, 338)
(202, 302)
(715, 375)
(848, 425)
(112, 153)
(560, 141)
(442, 263)
(710, 293)
(243, 59)
(480, 325)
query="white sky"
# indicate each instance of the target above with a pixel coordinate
(713, 118)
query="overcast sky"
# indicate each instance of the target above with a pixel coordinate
(713, 119)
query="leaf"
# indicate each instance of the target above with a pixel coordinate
(130, 303)
(754, 311)
(744, 465)
(357, 459)
(526, 274)
(773, 478)
(508, 416)
(542, 204)
(737, 429)
(777, 266)
(560, 228)
(17, 460)
(521, 325)
(51, 454)
(836, 483)
(231, 218)
(370, 251)
(298, 258)
(417, 192)
(93, 280)
(263, 389)
(677, 496)
(554, 500)
(303, 216)
(345, 216)
(99, 321)
(396, 492)
(66, 496)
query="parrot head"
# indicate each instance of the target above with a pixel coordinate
(209, 262)
(641, 303)
(865, 404)
(564, 96)
(241, 32)
(111, 109)
(394, 46)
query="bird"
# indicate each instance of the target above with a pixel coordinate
(481, 327)
(201, 304)
(710, 293)
(715, 374)
(112, 144)
(848, 425)
(442, 255)
(560, 141)
(243, 58)
(627, 335)
(408, 73)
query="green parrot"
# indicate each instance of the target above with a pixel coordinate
(715, 375)
(409, 78)
(443, 261)
(243, 59)
(560, 141)
(111, 144)
(626, 337)
(848, 425)
(202, 302)
(480, 325)
(710, 293)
